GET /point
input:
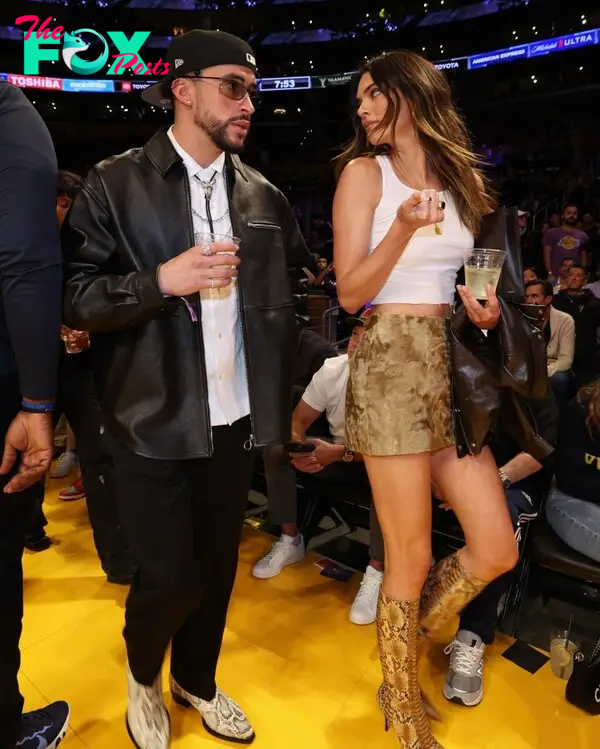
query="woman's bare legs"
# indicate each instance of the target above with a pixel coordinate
(472, 488)
(401, 487)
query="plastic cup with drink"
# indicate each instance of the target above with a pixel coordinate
(562, 653)
(482, 268)
(205, 240)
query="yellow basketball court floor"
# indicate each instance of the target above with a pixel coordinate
(306, 676)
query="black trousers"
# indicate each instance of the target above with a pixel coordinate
(481, 614)
(77, 399)
(15, 512)
(184, 521)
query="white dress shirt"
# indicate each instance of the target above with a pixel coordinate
(228, 397)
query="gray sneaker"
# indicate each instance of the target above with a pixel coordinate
(464, 682)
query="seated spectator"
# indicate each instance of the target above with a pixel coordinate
(525, 482)
(559, 330)
(563, 274)
(573, 510)
(594, 288)
(329, 461)
(529, 274)
(565, 241)
(325, 273)
(322, 264)
(584, 308)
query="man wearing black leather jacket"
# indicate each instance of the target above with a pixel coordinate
(195, 362)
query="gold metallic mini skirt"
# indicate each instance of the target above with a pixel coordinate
(398, 399)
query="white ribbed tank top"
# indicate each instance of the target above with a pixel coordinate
(426, 270)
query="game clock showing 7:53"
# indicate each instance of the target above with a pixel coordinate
(285, 84)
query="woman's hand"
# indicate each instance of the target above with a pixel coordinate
(421, 209)
(485, 317)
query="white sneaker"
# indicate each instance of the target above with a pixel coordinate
(364, 607)
(464, 681)
(222, 717)
(66, 463)
(147, 717)
(286, 550)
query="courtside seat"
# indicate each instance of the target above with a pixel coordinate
(555, 570)
(549, 552)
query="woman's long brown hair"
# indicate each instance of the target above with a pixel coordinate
(589, 398)
(439, 127)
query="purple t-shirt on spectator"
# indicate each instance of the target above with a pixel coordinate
(565, 243)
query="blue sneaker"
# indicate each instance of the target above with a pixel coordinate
(44, 729)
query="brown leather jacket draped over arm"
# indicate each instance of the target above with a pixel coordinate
(498, 378)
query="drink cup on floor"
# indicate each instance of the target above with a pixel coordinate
(483, 267)
(562, 653)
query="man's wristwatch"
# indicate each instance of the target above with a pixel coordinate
(348, 455)
(506, 482)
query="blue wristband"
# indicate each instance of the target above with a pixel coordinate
(36, 408)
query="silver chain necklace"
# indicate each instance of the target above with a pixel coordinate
(208, 188)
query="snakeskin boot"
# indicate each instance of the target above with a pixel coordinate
(448, 589)
(399, 697)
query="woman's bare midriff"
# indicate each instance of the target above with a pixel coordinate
(419, 310)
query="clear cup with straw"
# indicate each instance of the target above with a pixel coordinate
(562, 653)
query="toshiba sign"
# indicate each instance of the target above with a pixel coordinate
(36, 81)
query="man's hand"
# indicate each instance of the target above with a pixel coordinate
(32, 436)
(324, 454)
(192, 271)
(486, 318)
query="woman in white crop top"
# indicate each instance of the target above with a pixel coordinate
(409, 200)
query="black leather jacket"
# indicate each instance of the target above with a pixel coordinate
(133, 214)
(500, 381)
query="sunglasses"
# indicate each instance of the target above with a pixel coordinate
(231, 88)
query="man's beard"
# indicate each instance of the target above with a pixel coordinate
(570, 221)
(217, 131)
